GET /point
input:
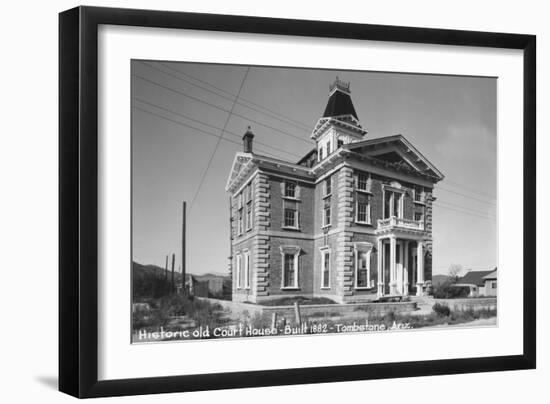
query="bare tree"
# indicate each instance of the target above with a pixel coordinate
(454, 271)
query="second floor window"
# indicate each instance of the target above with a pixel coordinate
(418, 216)
(326, 212)
(393, 204)
(249, 216)
(290, 189)
(240, 214)
(328, 186)
(363, 209)
(248, 207)
(362, 182)
(290, 214)
(418, 194)
(240, 221)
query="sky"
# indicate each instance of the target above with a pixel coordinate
(179, 110)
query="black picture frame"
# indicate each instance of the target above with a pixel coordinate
(78, 200)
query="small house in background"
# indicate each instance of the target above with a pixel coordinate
(481, 283)
(490, 284)
(204, 287)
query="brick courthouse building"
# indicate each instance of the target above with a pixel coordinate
(351, 221)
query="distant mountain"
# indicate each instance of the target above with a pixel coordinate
(212, 275)
(141, 271)
(152, 281)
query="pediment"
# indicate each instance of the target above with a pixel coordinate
(397, 153)
(395, 158)
(238, 169)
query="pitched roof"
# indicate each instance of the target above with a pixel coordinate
(492, 275)
(339, 103)
(474, 278)
(408, 152)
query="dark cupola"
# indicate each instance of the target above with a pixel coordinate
(339, 101)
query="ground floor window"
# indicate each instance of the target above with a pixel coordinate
(325, 269)
(247, 270)
(238, 265)
(290, 257)
(363, 252)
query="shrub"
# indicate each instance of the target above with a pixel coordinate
(302, 300)
(447, 290)
(441, 310)
(389, 317)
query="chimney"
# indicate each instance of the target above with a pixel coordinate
(247, 140)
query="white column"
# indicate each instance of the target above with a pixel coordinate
(406, 269)
(380, 269)
(393, 267)
(400, 268)
(420, 276)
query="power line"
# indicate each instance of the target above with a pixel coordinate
(473, 191)
(464, 207)
(211, 126)
(304, 125)
(465, 212)
(220, 108)
(269, 114)
(437, 203)
(465, 196)
(462, 210)
(219, 140)
(197, 129)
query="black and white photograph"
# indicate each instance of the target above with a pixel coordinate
(284, 201)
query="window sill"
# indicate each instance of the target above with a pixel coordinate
(419, 202)
(327, 196)
(290, 288)
(365, 191)
(290, 228)
(363, 223)
(364, 287)
(325, 288)
(326, 226)
(291, 198)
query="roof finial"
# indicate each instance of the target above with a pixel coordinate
(339, 85)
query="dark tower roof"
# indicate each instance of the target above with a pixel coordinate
(339, 102)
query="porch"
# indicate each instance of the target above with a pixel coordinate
(401, 249)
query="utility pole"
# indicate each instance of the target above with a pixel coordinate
(173, 263)
(183, 241)
(166, 270)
